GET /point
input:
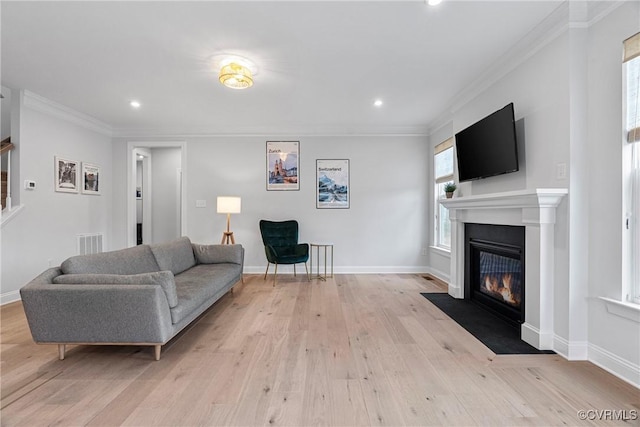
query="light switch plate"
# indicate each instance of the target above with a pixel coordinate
(201, 203)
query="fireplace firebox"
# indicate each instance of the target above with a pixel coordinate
(494, 269)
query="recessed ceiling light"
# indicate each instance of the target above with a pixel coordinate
(135, 104)
(434, 2)
(378, 102)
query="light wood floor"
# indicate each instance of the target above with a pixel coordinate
(358, 350)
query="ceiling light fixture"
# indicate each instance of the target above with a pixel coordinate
(434, 2)
(378, 102)
(236, 76)
(135, 104)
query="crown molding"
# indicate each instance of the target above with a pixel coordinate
(52, 108)
(548, 30)
(553, 26)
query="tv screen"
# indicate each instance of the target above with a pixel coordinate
(488, 147)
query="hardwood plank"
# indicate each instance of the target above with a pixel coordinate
(354, 350)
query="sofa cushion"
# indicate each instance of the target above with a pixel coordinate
(165, 279)
(176, 256)
(135, 260)
(216, 254)
(201, 283)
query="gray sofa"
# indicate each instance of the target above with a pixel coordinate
(142, 295)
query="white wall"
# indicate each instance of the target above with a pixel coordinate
(615, 335)
(384, 230)
(44, 232)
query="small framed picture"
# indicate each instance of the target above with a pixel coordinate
(283, 165)
(66, 175)
(90, 178)
(332, 184)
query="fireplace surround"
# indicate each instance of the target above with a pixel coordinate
(533, 209)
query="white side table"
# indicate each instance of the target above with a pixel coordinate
(317, 247)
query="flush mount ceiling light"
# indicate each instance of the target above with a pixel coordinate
(135, 104)
(235, 72)
(236, 76)
(434, 2)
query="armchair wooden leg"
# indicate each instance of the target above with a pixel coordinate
(265, 273)
(307, 268)
(156, 351)
(275, 274)
(294, 270)
(61, 351)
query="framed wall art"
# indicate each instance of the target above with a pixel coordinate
(90, 178)
(283, 165)
(66, 175)
(332, 184)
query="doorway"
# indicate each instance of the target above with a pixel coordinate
(156, 192)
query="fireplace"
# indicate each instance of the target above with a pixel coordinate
(535, 211)
(495, 270)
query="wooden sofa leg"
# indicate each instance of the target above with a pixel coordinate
(156, 351)
(61, 351)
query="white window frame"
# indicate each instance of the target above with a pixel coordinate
(631, 170)
(438, 191)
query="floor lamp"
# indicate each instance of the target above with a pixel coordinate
(228, 205)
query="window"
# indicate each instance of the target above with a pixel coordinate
(632, 131)
(443, 167)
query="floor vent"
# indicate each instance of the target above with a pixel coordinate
(90, 243)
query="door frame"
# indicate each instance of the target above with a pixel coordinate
(132, 146)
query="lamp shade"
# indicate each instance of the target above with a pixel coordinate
(229, 205)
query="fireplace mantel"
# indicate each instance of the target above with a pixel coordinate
(546, 200)
(534, 209)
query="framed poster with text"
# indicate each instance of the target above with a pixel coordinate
(283, 163)
(332, 184)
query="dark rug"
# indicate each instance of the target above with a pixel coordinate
(492, 331)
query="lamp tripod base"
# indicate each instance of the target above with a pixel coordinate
(226, 237)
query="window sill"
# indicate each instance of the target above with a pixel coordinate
(623, 309)
(440, 251)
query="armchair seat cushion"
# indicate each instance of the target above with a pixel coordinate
(290, 254)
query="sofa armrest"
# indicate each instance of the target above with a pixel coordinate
(93, 313)
(218, 254)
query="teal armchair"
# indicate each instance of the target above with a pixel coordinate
(281, 245)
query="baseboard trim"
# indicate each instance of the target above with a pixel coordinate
(288, 269)
(615, 365)
(571, 350)
(9, 297)
(532, 335)
(438, 274)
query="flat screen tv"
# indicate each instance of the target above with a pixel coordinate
(488, 147)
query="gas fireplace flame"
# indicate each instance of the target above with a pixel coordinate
(500, 287)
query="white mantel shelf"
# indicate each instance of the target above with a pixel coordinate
(522, 207)
(538, 197)
(534, 209)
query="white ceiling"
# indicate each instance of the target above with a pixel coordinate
(320, 64)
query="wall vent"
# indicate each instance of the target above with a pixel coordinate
(90, 243)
